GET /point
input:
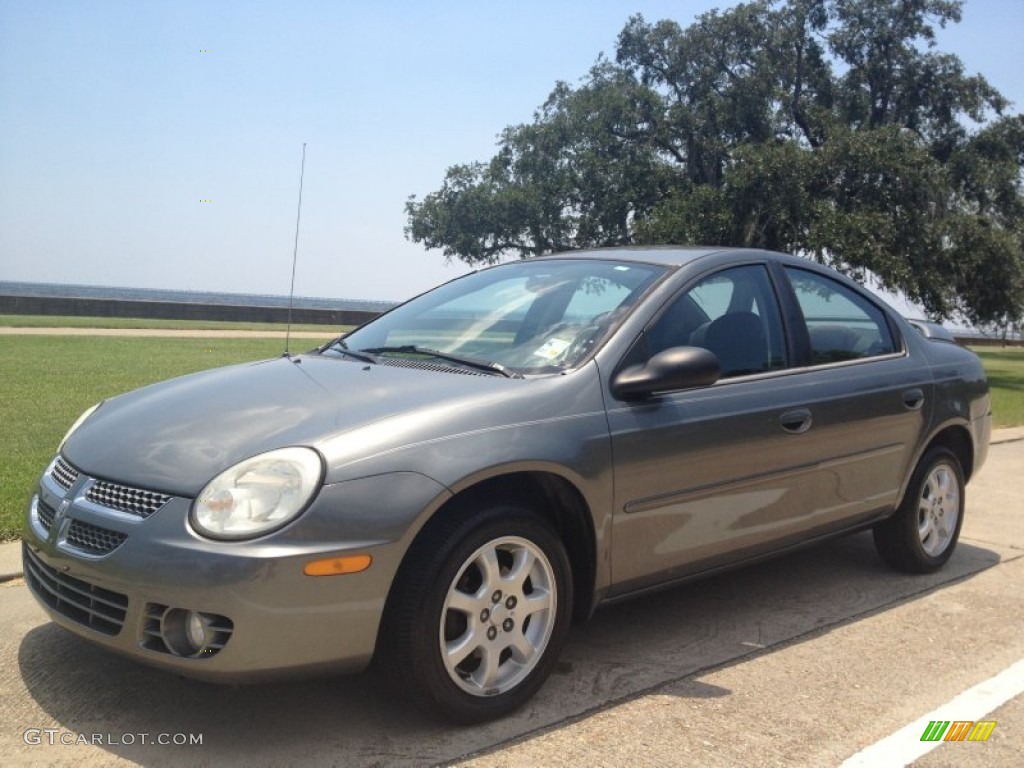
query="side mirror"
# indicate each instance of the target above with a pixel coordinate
(673, 368)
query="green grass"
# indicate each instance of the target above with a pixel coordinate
(47, 381)
(69, 321)
(1005, 369)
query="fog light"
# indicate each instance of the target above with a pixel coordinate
(188, 633)
(195, 629)
(183, 632)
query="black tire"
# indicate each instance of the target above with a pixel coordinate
(442, 594)
(921, 536)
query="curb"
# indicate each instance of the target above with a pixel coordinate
(1006, 435)
(10, 561)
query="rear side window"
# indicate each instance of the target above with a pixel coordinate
(842, 324)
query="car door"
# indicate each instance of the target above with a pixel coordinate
(763, 458)
(871, 400)
(703, 471)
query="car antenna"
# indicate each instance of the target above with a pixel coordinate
(295, 257)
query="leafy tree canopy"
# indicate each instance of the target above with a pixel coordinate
(829, 128)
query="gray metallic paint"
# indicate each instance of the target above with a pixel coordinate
(675, 485)
(714, 473)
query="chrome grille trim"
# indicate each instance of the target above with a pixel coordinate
(63, 473)
(45, 513)
(134, 501)
(100, 609)
(92, 538)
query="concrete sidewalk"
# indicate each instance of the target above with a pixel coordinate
(10, 560)
(10, 552)
(170, 333)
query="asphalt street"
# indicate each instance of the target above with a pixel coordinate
(804, 660)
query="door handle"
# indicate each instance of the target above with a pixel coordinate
(796, 421)
(913, 399)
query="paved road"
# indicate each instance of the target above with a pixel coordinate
(801, 661)
(172, 333)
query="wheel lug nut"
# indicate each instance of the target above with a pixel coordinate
(496, 597)
(492, 633)
(507, 625)
(510, 603)
(485, 615)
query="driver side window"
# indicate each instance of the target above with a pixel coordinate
(732, 313)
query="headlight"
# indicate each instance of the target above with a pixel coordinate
(258, 495)
(78, 422)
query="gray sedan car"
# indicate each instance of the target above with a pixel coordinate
(448, 487)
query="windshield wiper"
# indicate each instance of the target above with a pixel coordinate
(343, 348)
(472, 362)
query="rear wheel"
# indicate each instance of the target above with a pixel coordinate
(923, 533)
(478, 614)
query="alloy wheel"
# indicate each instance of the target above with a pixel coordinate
(498, 616)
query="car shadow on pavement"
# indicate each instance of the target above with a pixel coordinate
(626, 650)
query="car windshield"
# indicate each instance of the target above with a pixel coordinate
(537, 316)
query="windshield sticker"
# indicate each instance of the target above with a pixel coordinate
(552, 348)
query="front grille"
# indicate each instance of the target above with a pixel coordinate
(135, 501)
(63, 473)
(93, 539)
(82, 602)
(46, 514)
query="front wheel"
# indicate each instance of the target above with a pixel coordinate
(922, 535)
(478, 613)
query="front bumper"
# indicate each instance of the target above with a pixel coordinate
(981, 429)
(266, 619)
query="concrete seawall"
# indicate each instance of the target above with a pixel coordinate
(176, 310)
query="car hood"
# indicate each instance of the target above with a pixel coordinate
(177, 435)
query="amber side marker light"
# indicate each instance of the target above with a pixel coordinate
(334, 566)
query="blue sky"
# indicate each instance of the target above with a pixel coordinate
(115, 123)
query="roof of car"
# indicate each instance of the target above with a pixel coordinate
(667, 255)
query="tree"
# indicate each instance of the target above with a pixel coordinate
(829, 128)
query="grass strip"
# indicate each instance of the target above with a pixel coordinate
(71, 321)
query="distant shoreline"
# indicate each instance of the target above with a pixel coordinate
(107, 301)
(162, 295)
